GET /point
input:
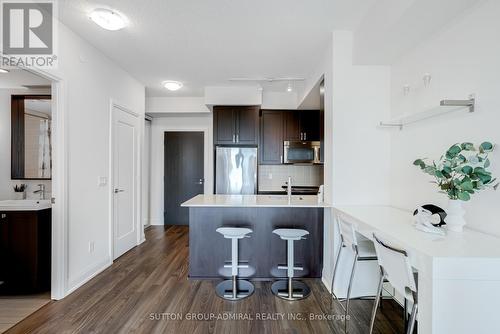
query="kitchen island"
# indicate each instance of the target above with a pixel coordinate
(263, 251)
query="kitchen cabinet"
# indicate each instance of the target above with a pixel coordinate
(277, 126)
(271, 137)
(302, 125)
(234, 125)
(25, 245)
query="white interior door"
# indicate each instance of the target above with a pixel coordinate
(125, 139)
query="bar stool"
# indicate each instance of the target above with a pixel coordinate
(290, 289)
(234, 289)
(364, 250)
(396, 268)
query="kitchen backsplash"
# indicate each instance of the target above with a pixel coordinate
(273, 177)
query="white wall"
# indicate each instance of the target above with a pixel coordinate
(6, 184)
(179, 122)
(90, 80)
(360, 151)
(279, 100)
(357, 154)
(176, 105)
(463, 59)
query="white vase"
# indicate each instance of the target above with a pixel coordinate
(18, 196)
(455, 220)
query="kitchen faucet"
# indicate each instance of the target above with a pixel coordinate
(289, 189)
(40, 191)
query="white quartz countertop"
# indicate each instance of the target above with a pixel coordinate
(25, 205)
(397, 225)
(270, 201)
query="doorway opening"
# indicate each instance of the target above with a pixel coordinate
(30, 180)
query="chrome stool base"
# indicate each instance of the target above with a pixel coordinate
(234, 289)
(290, 289)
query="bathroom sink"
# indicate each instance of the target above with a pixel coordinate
(24, 205)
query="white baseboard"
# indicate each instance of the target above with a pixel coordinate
(327, 282)
(87, 275)
(156, 221)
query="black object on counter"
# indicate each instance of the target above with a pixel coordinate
(435, 210)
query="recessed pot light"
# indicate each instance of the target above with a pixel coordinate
(172, 85)
(108, 19)
(3, 70)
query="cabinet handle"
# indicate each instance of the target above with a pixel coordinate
(234, 138)
(305, 135)
(281, 159)
(301, 136)
(237, 138)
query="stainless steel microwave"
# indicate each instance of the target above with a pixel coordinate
(301, 152)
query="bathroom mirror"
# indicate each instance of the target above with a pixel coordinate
(31, 134)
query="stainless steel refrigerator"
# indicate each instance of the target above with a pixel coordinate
(235, 170)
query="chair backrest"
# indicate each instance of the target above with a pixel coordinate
(347, 232)
(396, 266)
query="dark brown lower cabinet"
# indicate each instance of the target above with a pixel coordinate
(25, 251)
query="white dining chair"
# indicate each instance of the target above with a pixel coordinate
(364, 250)
(395, 267)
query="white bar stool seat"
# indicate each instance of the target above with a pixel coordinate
(234, 289)
(290, 289)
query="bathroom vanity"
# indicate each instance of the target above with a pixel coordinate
(25, 246)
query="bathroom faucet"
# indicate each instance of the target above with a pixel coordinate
(40, 191)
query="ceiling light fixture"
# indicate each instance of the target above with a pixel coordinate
(172, 85)
(3, 70)
(108, 19)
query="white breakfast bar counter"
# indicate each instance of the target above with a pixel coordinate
(458, 274)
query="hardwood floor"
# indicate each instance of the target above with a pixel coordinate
(15, 308)
(147, 291)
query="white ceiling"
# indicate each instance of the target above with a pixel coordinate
(394, 27)
(206, 42)
(18, 79)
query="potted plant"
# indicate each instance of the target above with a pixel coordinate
(20, 191)
(460, 172)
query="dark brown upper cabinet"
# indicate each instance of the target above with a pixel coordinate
(292, 125)
(271, 137)
(302, 125)
(310, 125)
(234, 125)
(277, 126)
(31, 136)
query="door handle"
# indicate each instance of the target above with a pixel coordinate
(118, 191)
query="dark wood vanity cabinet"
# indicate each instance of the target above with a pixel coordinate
(236, 125)
(25, 251)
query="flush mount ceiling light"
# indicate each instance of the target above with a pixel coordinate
(3, 70)
(108, 19)
(172, 85)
